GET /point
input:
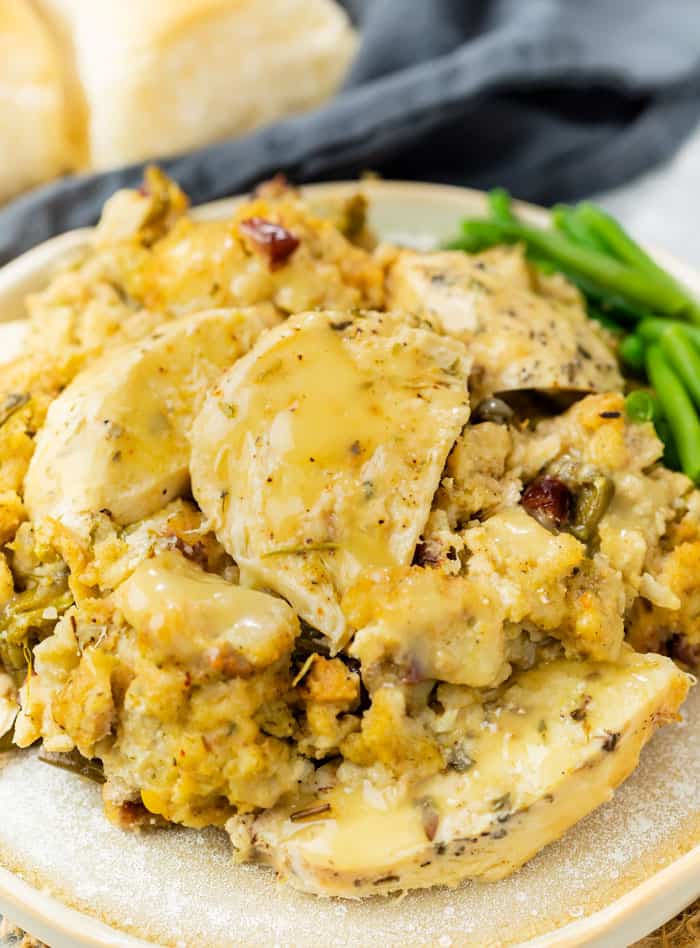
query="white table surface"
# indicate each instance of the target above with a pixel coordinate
(662, 207)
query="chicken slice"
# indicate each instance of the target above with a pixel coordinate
(520, 338)
(115, 439)
(554, 746)
(319, 453)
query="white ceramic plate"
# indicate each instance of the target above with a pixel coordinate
(74, 880)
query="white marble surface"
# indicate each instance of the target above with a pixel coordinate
(663, 207)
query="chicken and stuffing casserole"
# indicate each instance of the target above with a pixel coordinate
(349, 549)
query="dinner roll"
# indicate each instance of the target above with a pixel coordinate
(164, 76)
(33, 122)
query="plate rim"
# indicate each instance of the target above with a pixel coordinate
(640, 910)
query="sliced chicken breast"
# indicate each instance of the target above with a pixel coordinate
(553, 747)
(115, 439)
(520, 338)
(319, 453)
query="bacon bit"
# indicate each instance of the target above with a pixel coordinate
(548, 500)
(270, 240)
(310, 811)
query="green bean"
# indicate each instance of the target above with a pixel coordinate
(612, 276)
(622, 310)
(546, 267)
(617, 240)
(641, 406)
(500, 205)
(628, 251)
(678, 409)
(567, 221)
(631, 352)
(477, 235)
(684, 358)
(652, 329)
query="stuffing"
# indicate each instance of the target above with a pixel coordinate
(335, 546)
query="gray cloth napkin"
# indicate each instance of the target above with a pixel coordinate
(550, 98)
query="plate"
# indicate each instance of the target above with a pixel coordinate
(73, 879)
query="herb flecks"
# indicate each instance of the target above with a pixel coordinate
(501, 803)
(75, 763)
(611, 740)
(301, 549)
(229, 409)
(317, 809)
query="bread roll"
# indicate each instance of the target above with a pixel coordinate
(163, 76)
(34, 140)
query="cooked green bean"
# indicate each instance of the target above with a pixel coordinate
(612, 276)
(652, 329)
(678, 408)
(477, 235)
(631, 352)
(628, 251)
(684, 358)
(500, 205)
(572, 226)
(641, 406)
(617, 240)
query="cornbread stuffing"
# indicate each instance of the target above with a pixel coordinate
(351, 550)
